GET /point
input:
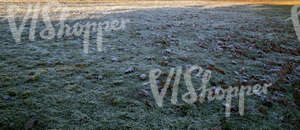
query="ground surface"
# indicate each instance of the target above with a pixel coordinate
(53, 84)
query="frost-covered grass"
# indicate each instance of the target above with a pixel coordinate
(54, 84)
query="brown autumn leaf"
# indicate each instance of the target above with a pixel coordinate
(222, 82)
(274, 63)
(298, 50)
(148, 103)
(218, 55)
(164, 63)
(164, 74)
(164, 42)
(90, 76)
(184, 58)
(281, 79)
(212, 67)
(241, 62)
(286, 69)
(294, 122)
(80, 65)
(285, 101)
(262, 110)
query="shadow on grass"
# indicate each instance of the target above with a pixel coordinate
(69, 94)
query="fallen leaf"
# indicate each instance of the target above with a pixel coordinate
(164, 63)
(164, 42)
(212, 67)
(262, 110)
(184, 58)
(294, 122)
(148, 103)
(90, 76)
(298, 50)
(285, 101)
